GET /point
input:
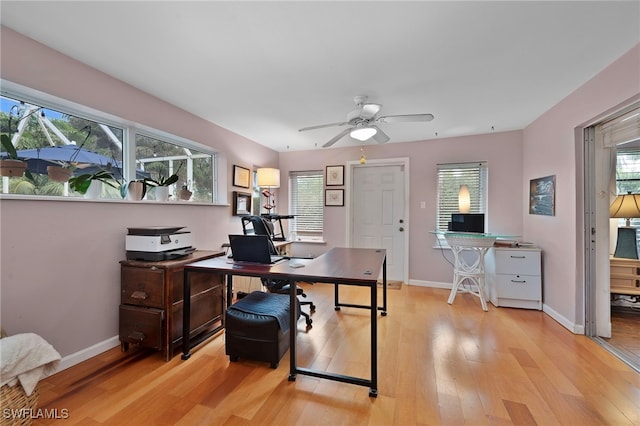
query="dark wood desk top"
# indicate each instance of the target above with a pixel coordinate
(167, 264)
(355, 266)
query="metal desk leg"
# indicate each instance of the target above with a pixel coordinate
(373, 390)
(336, 302)
(229, 290)
(384, 287)
(293, 329)
(186, 316)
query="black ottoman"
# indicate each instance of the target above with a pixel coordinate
(257, 327)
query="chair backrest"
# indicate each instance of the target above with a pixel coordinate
(258, 226)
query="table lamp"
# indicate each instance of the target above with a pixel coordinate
(267, 179)
(626, 206)
(464, 199)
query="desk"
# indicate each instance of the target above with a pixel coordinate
(338, 266)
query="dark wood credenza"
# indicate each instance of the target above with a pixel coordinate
(151, 302)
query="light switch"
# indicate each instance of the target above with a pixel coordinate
(423, 204)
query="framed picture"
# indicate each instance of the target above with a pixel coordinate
(241, 176)
(335, 176)
(542, 196)
(334, 197)
(241, 203)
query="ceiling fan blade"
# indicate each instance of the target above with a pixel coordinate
(405, 118)
(321, 126)
(369, 110)
(336, 138)
(380, 136)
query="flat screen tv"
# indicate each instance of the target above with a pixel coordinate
(467, 222)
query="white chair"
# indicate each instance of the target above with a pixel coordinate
(468, 252)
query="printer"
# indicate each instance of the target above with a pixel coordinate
(156, 243)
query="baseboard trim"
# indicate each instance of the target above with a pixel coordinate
(84, 354)
(433, 284)
(571, 326)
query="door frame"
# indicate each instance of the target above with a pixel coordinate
(401, 161)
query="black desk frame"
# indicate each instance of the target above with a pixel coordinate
(266, 271)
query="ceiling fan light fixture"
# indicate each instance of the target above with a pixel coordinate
(363, 133)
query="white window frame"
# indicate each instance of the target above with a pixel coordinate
(311, 236)
(19, 92)
(478, 186)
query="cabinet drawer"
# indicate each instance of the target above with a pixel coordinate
(142, 326)
(142, 286)
(200, 281)
(523, 262)
(205, 308)
(528, 287)
(626, 283)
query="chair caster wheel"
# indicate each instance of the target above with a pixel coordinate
(309, 322)
(337, 308)
(312, 308)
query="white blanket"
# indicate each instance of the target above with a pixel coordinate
(26, 358)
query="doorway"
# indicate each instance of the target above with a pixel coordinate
(611, 168)
(377, 211)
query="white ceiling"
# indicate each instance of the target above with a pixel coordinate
(265, 69)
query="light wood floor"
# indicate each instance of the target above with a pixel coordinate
(438, 364)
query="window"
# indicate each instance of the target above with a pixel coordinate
(160, 159)
(628, 178)
(44, 130)
(450, 177)
(306, 204)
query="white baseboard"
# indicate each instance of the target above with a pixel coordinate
(85, 354)
(434, 284)
(572, 327)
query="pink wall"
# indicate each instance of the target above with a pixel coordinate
(502, 151)
(549, 147)
(60, 275)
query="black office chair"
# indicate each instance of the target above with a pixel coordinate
(258, 226)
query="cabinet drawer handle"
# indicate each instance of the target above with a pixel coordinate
(519, 281)
(136, 337)
(139, 295)
(518, 257)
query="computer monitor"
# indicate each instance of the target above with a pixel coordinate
(467, 222)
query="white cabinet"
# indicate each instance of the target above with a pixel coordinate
(514, 277)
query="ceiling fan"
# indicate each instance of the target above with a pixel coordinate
(363, 121)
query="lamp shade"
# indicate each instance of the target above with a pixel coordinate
(363, 133)
(268, 177)
(464, 199)
(625, 206)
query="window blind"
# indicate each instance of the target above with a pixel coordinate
(306, 203)
(450, 177)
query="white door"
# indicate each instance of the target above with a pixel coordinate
(378, 219)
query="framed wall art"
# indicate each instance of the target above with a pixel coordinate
(542, 196)
(335, 176)
(334, 197)
(241, 203)
(241, 176)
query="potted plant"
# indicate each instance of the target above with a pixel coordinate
(162, 184)
(185, 193)
(83, 182)
(12, 165)
(62, 171)
(135, 190)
